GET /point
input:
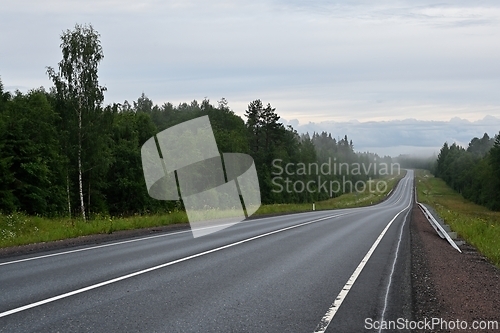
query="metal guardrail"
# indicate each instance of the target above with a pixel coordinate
(438, 227)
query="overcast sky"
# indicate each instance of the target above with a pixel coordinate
(319, 62)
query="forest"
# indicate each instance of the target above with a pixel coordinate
(473, 171)
(64, 153)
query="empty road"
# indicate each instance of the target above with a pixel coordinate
(323, 271)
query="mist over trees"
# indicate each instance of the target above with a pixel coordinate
(473, 171)
(63, 153)
(417, 162)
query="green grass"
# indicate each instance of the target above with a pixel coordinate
(476, 224)
(355, 199)
(348, 200)
(20, 229)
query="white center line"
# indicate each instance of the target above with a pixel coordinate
(170, 263)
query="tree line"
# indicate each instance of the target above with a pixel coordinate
(473, 171)
(62, 152)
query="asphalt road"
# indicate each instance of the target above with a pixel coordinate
(330, 271)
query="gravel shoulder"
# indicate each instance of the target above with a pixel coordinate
(451, 285)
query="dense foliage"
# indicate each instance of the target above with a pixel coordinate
(474, 172)
(63, 153)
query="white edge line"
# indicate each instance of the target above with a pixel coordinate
(327, 318)
(94, 286)
(155, 236)
(122, 242)
(145, 238)
(386, 299)
(92, 247)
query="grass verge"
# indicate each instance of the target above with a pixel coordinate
(20, 229)
(348, 200)
(476, 224)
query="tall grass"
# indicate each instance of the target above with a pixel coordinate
(20, 229)
(476, 224)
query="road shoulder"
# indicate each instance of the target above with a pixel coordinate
(450, 285)
(89, 240)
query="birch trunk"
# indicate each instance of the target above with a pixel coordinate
(80, 181)
(88, 197)
(67, 193)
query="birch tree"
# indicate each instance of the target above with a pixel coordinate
(76, 82)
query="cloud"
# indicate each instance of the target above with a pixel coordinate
(312, 60)
(404, 136)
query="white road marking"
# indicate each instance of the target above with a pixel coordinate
(327, 318)
(151, 237)
(124, 277)
(90, 248)
(386, 300)
(126, 241)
